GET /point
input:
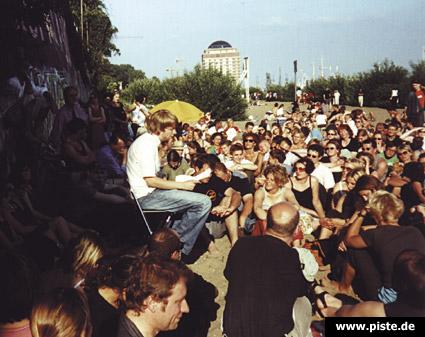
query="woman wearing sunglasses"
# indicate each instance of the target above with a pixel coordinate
(251, 153)
(404, 153)
(333, 159)
(380, 141)
(306, 188)
(331, 132)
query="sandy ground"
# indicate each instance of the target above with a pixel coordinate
(258, 112)
(211, 267)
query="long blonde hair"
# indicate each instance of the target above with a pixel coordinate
(83, 254)
(62, 313)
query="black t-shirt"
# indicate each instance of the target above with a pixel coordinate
(265, 279)
(397, 141)
(387, 242)
(104, 317)
(409, 196)
(214, 189)
(241, 185)
(352, 146)
(127, 328)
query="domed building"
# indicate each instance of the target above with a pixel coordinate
(222, 56)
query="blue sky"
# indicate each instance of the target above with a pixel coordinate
(350, 34)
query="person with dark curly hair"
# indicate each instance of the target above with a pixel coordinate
(155, 298)
(106, 286)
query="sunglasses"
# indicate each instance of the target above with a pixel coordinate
(310, 155)
(331, 134)
(330, 148)
(300, 169)
(249, 141)
(403, 153)
(378, 138)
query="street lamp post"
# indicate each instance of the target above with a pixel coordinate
(295, 79)
(82, 20)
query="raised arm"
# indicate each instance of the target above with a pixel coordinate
(258, 205)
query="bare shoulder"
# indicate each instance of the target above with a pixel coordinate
(369, 309)
(314, 180)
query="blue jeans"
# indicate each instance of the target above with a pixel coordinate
(196, 209)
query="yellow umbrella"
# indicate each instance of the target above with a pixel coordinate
(185, 112)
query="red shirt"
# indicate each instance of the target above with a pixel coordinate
(421, 98)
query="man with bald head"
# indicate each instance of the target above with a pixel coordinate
(266, 284)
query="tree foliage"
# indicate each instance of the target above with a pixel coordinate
(284, 92)
(112, 75)
(97, 34)
(376, 84)
(418, 71)
(207, 89)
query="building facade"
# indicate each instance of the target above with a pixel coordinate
(222, 56)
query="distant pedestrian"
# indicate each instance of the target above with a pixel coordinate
(337, 95)
(394, 99)
(360, 97)
(416, 104)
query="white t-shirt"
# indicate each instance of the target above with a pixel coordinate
(213, 130)
(337, 95)
(279, 112)
(353, 127)
(143, 161)
(138, 117)
(292, 158)
(324, 175)
(321, 119)
(231, 133)
(229, 164)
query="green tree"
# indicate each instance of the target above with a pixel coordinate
(210, 90)
(207, 89)
(113, 74)
(378, 82)
(255, 89)
(285, 92)
(418, 71)
(97, 36)
(150, 87)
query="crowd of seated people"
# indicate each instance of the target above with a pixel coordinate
(356, 187)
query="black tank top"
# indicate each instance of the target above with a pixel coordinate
(400, 309)
(304, 198)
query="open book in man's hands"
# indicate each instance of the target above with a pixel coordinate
(183, 177)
